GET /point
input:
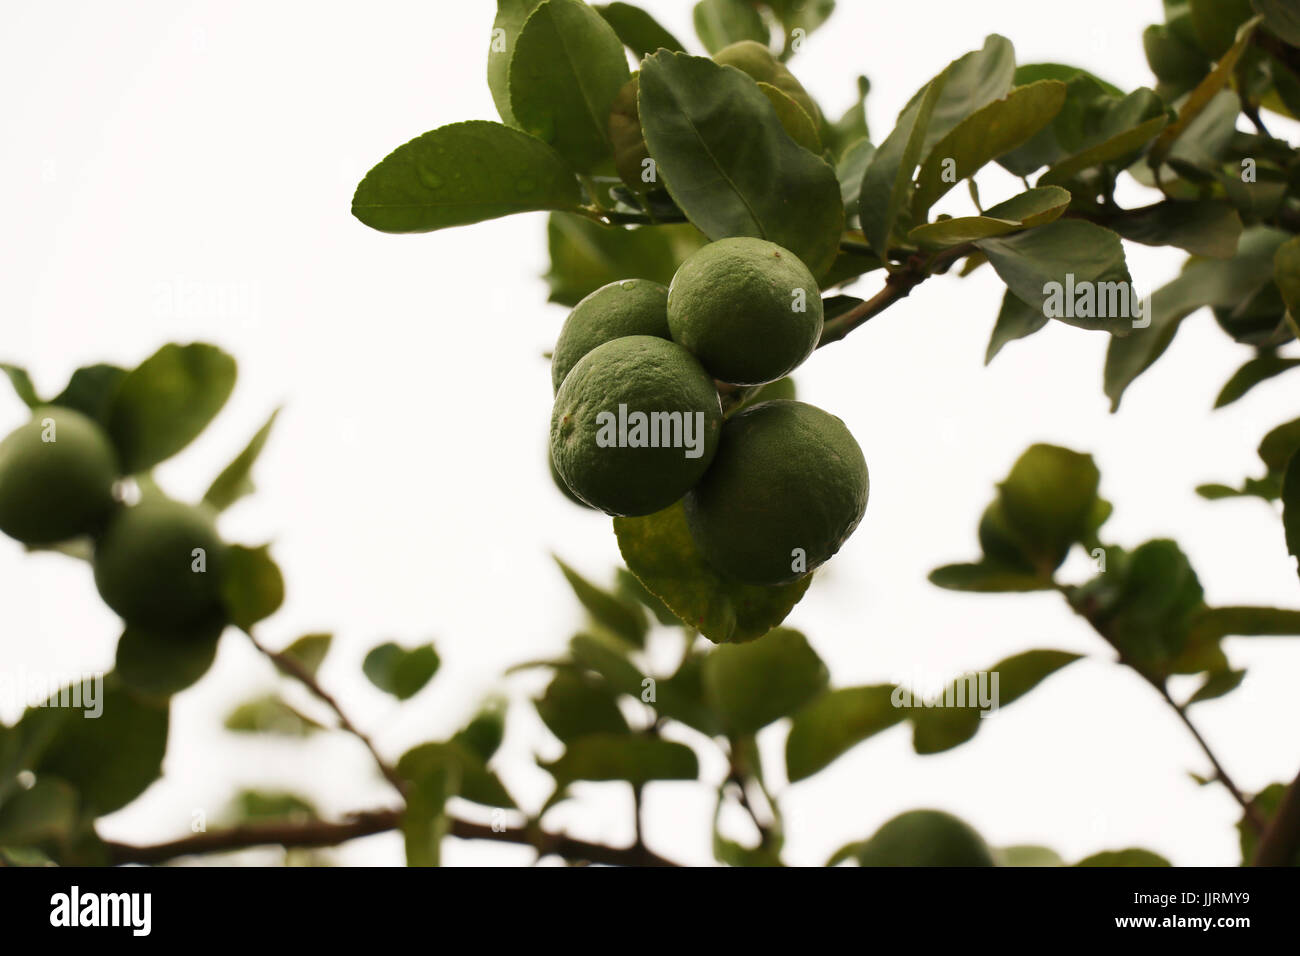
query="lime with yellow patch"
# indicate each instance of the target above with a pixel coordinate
(747, 308)
(788, 486)
(635, 425)
(625, 307)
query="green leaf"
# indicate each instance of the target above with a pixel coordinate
(983, 136)
(607, 657)
(630, 586)
(269, 714)
(309, 651)
(973, 81)
(1291, 507)
(1176, 59)
(720, 23)
(1216, 685)
(1202, 282)
(476, 782)
(91, 390)
(252, 587)
(45, 813)
(751, 685)
(987, 577)
(834, 723)
(636, 759)
(235, 480)
(1200, 98)
(165, 404)
(850, 169)
(1265, 804)
(509, 22)
(400, 671)
(1122, 129)
(1203, 227)
(1048, 499)
(623, 617)
(852, 124)
(682, 697)
(659, 550)
(887, 183)
(159, 664)
(1257, 370)
(265, 806)
(1277, 447)
(483, 735)
(1282, 17)
(1016, 320)
(1218, 622)
(794, 118)
(1026, 855)
(1129, 857)
(586, 255)
(1033, 72)
(1216, 23)
(1036, 207)
(1079, 124)
(87, 751)
(1286, 273)
(734, 171)
(22, 384)
(575, 705)
(567, 67)
(1036, 266)
(461, 174)
(434, 774)
(639, 31)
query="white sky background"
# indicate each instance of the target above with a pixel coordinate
(182, 171)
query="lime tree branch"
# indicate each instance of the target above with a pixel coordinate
(290, 666)
(322, 833)
(1281, 841)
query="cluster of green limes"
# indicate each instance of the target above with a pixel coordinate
(772, 492)
(157, 564)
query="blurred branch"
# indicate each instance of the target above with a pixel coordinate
(294, 669)
(320, 833)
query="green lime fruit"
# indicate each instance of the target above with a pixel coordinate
(56, 477)
(635, 425)
(159, 564)
(560, 485)
(925, 838)
(757, 61)
(788, 486)
(626, 307)
(749, 310)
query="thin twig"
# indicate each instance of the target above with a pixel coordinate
(320, 833)
(294, 669)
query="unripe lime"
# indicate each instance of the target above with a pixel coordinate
(56, 477)
(159, 564)
(749, 310)
(559, 482)
(788, 486)
(626, 307)
(757, 61)
(635, 425)
(925, 838)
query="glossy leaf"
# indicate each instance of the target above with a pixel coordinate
(509, 23)
(461, 174)
(794, 118)
(1203, 228)
(567, 67)
(638, 30)
(751, 685)
(1035, 207)
(165, 403)
(623, 617)
(400, 671)
(659, 550)
(729, 164)
(1038, 260)
(972, 82)
(995, 129)
(1123, 128)
(834, 723)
